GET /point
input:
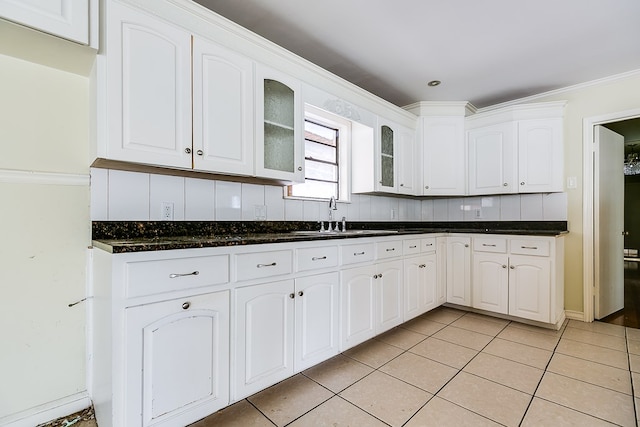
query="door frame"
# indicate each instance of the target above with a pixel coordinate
(588, 204)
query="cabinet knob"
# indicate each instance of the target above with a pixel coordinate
(375, 276)
(505, 184)
(466, 245)
(380, 275)
(504, 266)
(422, 265)
(187, 150)
(300, 293)
(292, 296)
(426, 187)
(513, 267)
(300, 168)
(522, 183)
(401, 185)
(186, 305)
(199, 152)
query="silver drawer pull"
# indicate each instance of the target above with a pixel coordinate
(316, 258)
(485, 244)
(412, 247)
(429, 244)
(273, 264)
(186, 305)
(528, 247)
(390, 249)
(358, 253)
(174, 275)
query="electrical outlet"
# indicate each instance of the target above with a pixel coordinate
(393, 213)
(166, 211)
(478, 213)
(260, 212)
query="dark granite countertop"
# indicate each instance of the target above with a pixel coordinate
(137, 236)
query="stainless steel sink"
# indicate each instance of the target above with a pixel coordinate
(343, 233)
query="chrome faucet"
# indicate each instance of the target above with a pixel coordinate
(332, 207)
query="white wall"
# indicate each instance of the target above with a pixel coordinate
(132, 196)
(44, 230)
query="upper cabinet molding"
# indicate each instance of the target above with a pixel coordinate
(541, 110)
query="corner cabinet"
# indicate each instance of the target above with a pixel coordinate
(148, 89)
(444, 162)
(516, 151)
(279, 114)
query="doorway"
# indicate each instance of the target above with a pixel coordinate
(629, 314)
(596, 258)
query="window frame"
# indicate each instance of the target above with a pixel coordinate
(343, 153)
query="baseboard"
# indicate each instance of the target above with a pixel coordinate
(574, 315)
(48, 411)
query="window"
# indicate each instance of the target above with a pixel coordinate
(326, 141)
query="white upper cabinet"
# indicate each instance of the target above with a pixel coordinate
(407, 165)
(385, 164)
(516, 150)
(68, 19)
(443, 156)
(222, 109)
(148, 89)
(279, 116)
(493, 159)
(540, 153)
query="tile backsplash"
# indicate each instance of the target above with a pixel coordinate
(132, 196)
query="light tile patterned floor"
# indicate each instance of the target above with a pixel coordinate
(452, 368)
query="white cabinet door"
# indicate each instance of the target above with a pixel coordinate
(386, 156)
(441, 271)
(444, 162)
(459, 270)
(149, 89)
(491, 282)
(388, 286)
(407, 164)
(530, 288)
(222, 110)
(263, 336)
(317, 325)
(540, 152)
(177, 354)
(420, 285)
(358, 305)
(68, 19)
(279, 115)
(493, 159)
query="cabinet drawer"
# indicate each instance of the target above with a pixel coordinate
(530, 247)
(158, 276)
(490, 244)
(362, 252)
(263, 264)
(428, 244)
(410, 247)
(388, 249)
(312, 258)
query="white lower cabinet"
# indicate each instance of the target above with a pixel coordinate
(521, 277)
(491, 282)
(530, 282)
(317, 329)
(263, 336)
(459, 270)
(358, 305)
(420, 285)
(284, 327)
(177, 356)
(371, 301)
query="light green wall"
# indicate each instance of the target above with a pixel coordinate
(607, 97)
(44, 230)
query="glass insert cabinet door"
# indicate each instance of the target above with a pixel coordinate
(387, 157)
(279, 143)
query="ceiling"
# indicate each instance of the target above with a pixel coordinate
(485, 52)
